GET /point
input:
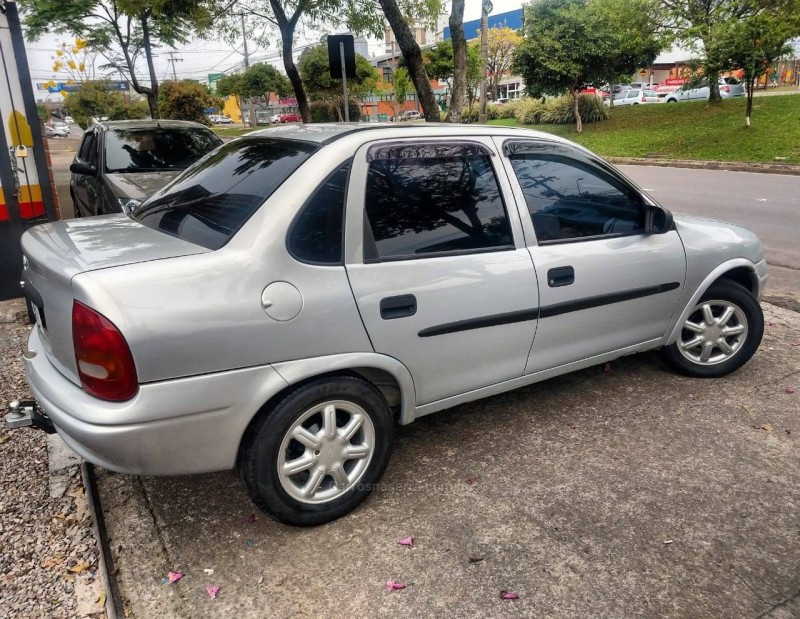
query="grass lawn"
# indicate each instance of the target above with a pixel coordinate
(693, 130)
(231, 132)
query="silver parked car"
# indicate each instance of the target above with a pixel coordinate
(729, 87)
(633, 97)
(121, 163)
(285, 301)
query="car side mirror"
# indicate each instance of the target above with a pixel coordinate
(86, 169)
(658, 220)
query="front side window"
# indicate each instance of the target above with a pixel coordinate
(87, 151)
(210, 201)
(316, 235)
(158, 148)
(571, 199)
(440, 199)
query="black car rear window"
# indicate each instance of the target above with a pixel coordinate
(209, 202)
(157, 148)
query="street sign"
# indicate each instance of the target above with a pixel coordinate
(335, 56)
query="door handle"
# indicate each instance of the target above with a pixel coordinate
(398, 307)
(560, 276)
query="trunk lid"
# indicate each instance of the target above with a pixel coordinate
(54, 253)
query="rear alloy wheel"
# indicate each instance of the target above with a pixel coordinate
(319, 452)
(720, 334)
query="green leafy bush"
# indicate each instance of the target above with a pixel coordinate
(328, 111)
(558, 111)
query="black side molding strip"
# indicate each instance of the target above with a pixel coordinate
(547, 311)
(604, 299)
(481, 322)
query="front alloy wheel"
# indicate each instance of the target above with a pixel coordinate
(720, 334)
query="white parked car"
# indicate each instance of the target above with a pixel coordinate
(729, 87)
(223, 120)
(410, 115)
(275, 119)
(69, 120)
(633, 97)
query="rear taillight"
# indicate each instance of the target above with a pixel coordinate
(644, 99)
(725, 89)
(104, 360)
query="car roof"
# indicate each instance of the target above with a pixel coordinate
(325, 133)
(150, 124)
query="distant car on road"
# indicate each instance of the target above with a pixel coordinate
(56, 130)
(729, 87)
(120, 164)
(69, 120)
(289, 118)
(223, 120)
(275, 118)
(287, 301)
(633, 97)
(410, 115)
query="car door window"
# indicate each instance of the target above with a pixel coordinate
(633, 94)
(435, 199)
(569, 199)
(316, 235)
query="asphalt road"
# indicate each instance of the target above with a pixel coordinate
(767, 204)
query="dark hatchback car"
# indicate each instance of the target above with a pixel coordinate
(122, 163)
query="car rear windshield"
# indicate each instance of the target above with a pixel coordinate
(157, 148)
(210, 201)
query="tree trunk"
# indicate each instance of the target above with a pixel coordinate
(578, 122)
(459, 62)
(713, 87)
(286, 27)
(750, 86)
(152, 95)
(413, 57)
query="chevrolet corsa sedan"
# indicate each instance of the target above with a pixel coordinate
(285, 301)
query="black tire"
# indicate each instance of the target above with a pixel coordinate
(260, 450)
(735, 294)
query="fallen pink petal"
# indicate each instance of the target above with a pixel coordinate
(471, 481)
(392, 585)
(406, 541)
(250, 518)
(212, 591)
(508, 595)
(174, 576)
(770, 324)
(789, 390)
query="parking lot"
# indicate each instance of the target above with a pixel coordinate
(621, 490)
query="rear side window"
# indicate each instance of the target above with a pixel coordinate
(423, 206)
(86, 153)
(316, 235)
(210, 201)
(160, 148)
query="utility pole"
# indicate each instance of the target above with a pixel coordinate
(486, 8)
(172, 60)
(251, 107)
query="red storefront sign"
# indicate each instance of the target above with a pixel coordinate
(676, 81)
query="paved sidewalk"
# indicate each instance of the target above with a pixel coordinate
(634, 492)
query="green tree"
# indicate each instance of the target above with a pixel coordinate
(703, 26)
(755, 42)
(502, 41)
(396, 15)
(262, 79)
(186, 100)
(123, 30)
(401, 84)
(440, 65)
(563, 49)
(635, 39)
(95, 100)
(315, 72)
(474, 72)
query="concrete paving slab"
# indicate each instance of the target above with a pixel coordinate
(631, 493)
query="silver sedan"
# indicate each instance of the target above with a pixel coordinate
(284, 302)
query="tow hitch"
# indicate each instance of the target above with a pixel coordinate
(22, 413)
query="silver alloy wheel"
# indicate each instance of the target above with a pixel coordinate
(326, 451)
(714, 332)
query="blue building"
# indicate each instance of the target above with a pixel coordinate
(472, 29)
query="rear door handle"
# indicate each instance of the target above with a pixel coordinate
(398, 307)
(560, 276)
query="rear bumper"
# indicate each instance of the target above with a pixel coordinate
(175, 427)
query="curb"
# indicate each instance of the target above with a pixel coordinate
(730, 166)
(105, 562)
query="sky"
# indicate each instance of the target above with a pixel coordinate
(200, 57)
